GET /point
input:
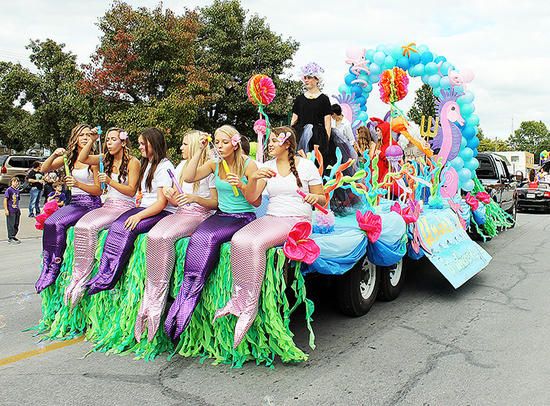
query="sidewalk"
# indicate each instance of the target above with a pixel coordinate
(26, 227)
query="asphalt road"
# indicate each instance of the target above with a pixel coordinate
(483, 344)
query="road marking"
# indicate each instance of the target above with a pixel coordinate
(32, 353)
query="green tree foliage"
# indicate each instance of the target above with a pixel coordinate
(237, 47)
(424, 104)
(531, 136)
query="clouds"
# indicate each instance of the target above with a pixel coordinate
(506, 45)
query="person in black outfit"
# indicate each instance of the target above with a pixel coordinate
(311, 112)
(34, 178)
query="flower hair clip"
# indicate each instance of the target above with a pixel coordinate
(236, 139)
(123, 135)
(282, 137)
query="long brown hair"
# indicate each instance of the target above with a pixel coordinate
(109, 159)
(291, 142)
(238, 155)
(72, 146)
(155, 138)
(364, 138)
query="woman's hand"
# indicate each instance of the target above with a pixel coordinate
(234, 180)
(70, 181)
(311, 198)
(59, 152)
(103, 178)
(264, 173)
(204, 140)
(132, 221)
(185, 198)
(94, 135)
(169, 192)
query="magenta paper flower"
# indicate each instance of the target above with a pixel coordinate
(260, 127)
(298, 246)
(483, 197)
(472, 201)
(370, 223)
(410, 213)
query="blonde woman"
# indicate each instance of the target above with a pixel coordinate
(197, 202)
(234, 213)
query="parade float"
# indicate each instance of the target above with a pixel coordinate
(422, 206)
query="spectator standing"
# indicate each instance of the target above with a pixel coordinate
(34, 178)
(12, 211)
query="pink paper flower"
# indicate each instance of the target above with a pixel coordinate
(472, 201)
(370, 223)
(235, 140)
(483, 197)
(298, 246)
(260, 127)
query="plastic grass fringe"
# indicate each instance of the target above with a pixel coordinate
(496, 217)
(108, 318)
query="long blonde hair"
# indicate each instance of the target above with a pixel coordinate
(238, 154)
(194, 144)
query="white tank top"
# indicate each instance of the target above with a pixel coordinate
(112, 193)
(83, 176)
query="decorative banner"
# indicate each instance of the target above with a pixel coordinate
(451, 250)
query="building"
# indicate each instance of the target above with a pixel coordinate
(520, 161)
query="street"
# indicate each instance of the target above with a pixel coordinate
(483, 344)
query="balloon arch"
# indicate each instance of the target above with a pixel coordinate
(381, 65)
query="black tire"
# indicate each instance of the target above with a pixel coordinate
(358, 288)
(391, 281)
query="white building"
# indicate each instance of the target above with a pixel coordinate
(520, 161)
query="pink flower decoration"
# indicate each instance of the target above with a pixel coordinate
(282, 137)
(483, 197)
(123, 135)
(260, 127)
(472, 201)
(236, 139)
(298, 246)
(410, 213)
(370, 223)
(47, 211)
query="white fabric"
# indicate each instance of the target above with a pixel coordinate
(112, 193)
(284, 201)
(345, 127)
(204, 185)
(83, 176)
(160, 179)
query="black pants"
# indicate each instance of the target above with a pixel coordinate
(13, 224)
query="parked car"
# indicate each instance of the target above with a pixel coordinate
(495, 176)
(534, 196)
(15, 165)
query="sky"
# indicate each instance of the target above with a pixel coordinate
(505, 43)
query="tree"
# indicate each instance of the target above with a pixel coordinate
(146, 70)
(238, 47)
(424, 104)
(531, 136)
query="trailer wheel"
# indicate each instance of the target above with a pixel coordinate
(358, 288)
(391, 281)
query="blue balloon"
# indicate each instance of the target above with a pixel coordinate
(418, 70)
(440, 59)
(445, 68)
(431, 68)
(422, 48)
(363, 116)
(473, 143)
(466, 154)
(374, 69)
(367, 89)
(426, 57)
(343, 88)
(437, 91)
(475, 153)
(468, 186)
(374, 78)
(360, 100)
(349, 78)
(380, 47)
(369, 55)
(403, 63)
(425, 78)
(473, 120)
(379, 57)
(457, 163)
(433, 80)
(472, 164)
(467, 109)
(396, 52)
(389, 62)
(414, 58)
(357, 90)
(469, 132)
(445, 83)
(467, 97)
(463, 143)
(464, 174)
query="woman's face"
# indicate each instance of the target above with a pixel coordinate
(379, 133)
(185, 148)
(310, 82)
(83, 138)
(113, 142)
(274, 147)
(145, 148)
(224, 145)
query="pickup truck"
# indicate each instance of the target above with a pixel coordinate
(496, 178)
